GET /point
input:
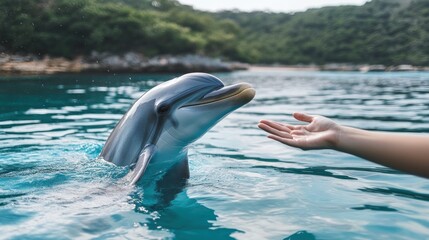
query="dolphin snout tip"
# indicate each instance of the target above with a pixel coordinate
(248, 94)
(245, 94)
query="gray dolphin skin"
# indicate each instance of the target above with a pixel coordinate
(154, 135)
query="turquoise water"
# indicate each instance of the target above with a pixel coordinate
(242, 185)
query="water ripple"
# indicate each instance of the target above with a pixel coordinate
(314, 171)
(375, 208)
(398, 192)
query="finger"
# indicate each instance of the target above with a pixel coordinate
(277, 125)
(303, 117)
(269, 122)
(274, 131)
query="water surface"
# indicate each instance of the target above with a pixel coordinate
(242, 185)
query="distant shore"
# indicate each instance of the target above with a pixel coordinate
(111, 63)
(339, 67)
(133, 62)
(264, 68)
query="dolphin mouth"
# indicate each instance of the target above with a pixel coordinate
(241, 91)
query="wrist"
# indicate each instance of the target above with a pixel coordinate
(338, 132)
(346, 137)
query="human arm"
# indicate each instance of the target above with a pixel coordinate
(405, 152)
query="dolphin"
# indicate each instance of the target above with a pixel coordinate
(153, 136)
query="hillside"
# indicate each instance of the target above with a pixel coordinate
(77, 27)
(380, 32)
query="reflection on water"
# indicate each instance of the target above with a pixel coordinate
(242, 185)
(301, 235)
(188, 219)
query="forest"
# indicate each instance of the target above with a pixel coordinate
(378, 32)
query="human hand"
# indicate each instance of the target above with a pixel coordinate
(320, 133)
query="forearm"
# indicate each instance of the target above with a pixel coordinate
(408, 153)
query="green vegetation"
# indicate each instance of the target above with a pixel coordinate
(77, 27)
(379, 32)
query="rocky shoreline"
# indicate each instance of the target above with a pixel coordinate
(137, 63)
(373, 68)
(341, 67)
(111, 63)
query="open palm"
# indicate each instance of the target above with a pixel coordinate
(320, 133)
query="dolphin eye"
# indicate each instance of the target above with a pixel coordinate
(163, 109)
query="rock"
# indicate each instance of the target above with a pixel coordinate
(372, 68)
(425, 69)
(30, 64)
(135, 62)
(106, 62)
(340, 67)
(404, 68)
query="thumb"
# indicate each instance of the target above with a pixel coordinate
(303, 117)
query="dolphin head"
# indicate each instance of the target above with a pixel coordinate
(193, 118)
(171, 96)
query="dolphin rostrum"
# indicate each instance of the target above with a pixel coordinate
(153, 136)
